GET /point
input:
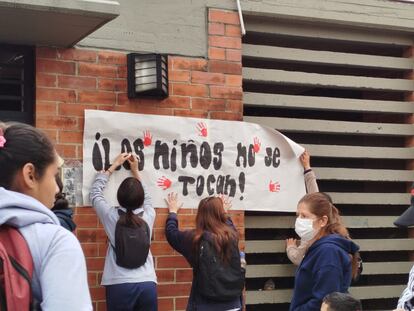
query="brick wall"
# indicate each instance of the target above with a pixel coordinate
(71, 80)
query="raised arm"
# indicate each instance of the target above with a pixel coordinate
(310, 177)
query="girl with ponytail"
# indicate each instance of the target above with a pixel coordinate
(126, 288)
(331, 261)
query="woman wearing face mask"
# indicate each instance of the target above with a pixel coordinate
(331, 260)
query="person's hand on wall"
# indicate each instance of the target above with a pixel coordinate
(133, 161)
(172, 203)
(291, 242)
(305, 160)
(119, 160)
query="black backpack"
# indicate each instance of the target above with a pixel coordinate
(214, 279)
(132, 243)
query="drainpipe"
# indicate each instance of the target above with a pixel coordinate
(243, 30)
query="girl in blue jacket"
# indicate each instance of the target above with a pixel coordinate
(213, 219)
(331, 260)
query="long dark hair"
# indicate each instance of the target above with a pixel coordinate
(320, 204)
(60, 197)
(211, 217)
(24, 144)
(130, 196)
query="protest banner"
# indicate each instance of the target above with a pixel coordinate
(257, 167)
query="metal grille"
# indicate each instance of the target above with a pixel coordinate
(341, 93)
(16, 83)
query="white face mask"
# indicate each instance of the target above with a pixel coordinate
(304, 228)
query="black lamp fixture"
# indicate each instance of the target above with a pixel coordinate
(147, 75)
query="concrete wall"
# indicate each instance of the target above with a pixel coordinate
(179, 26)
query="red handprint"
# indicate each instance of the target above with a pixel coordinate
(202, 128)
(256, 145)
(274, 186)
(147, 138)
(164, 183)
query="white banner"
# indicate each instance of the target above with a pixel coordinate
(257, 167)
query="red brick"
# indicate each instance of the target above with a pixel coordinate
(97, 293)
(92, 279)
(233, 31)
(179, 75)
(74, 109)
(58, 122)
(166, 304)
(208, 104)
(234, 80)
(207, 77)
(234, 106)
(216, 28)
(43, 79)
(90, 249)
(100, 306)
(102, 249)
(97, 97)
(226, 115)
(98, 70)
(94, 264)
(190, 113)
(233, 55)
(74, 138)
(165, 275)
(46, 52)
(66, 151)
(221, 16)
(172, 262)
(225, 42)
(86, 221)
(217, 53)
(181, 303)
(190, 90)
(85, 211)
(112, 85)
(91, 235)
(184, 275)
(78, 83)
(226, 92)
(176, 290)
(55, 66)
(52, 134)
(46, 108)
(77, 54)
(175, 102)
(225, 67)
(181, 63)
(161, 248)
(122, 72)
(106, 57)
(55, 95)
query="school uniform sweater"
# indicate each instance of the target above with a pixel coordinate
(182, 241)
(326, 268)
(108, 215)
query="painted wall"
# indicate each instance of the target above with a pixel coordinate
(158, 25)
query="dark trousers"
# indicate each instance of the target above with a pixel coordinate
(132, 297)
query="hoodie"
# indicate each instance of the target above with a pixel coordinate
(326, 268)
(65, 218)
(59, 278)
(108, 215)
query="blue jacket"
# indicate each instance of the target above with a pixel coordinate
(65, 216)
(182, 241)
(326, 268)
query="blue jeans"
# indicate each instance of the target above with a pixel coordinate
(132, 297)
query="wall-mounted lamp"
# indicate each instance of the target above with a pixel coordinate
(147, 75)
